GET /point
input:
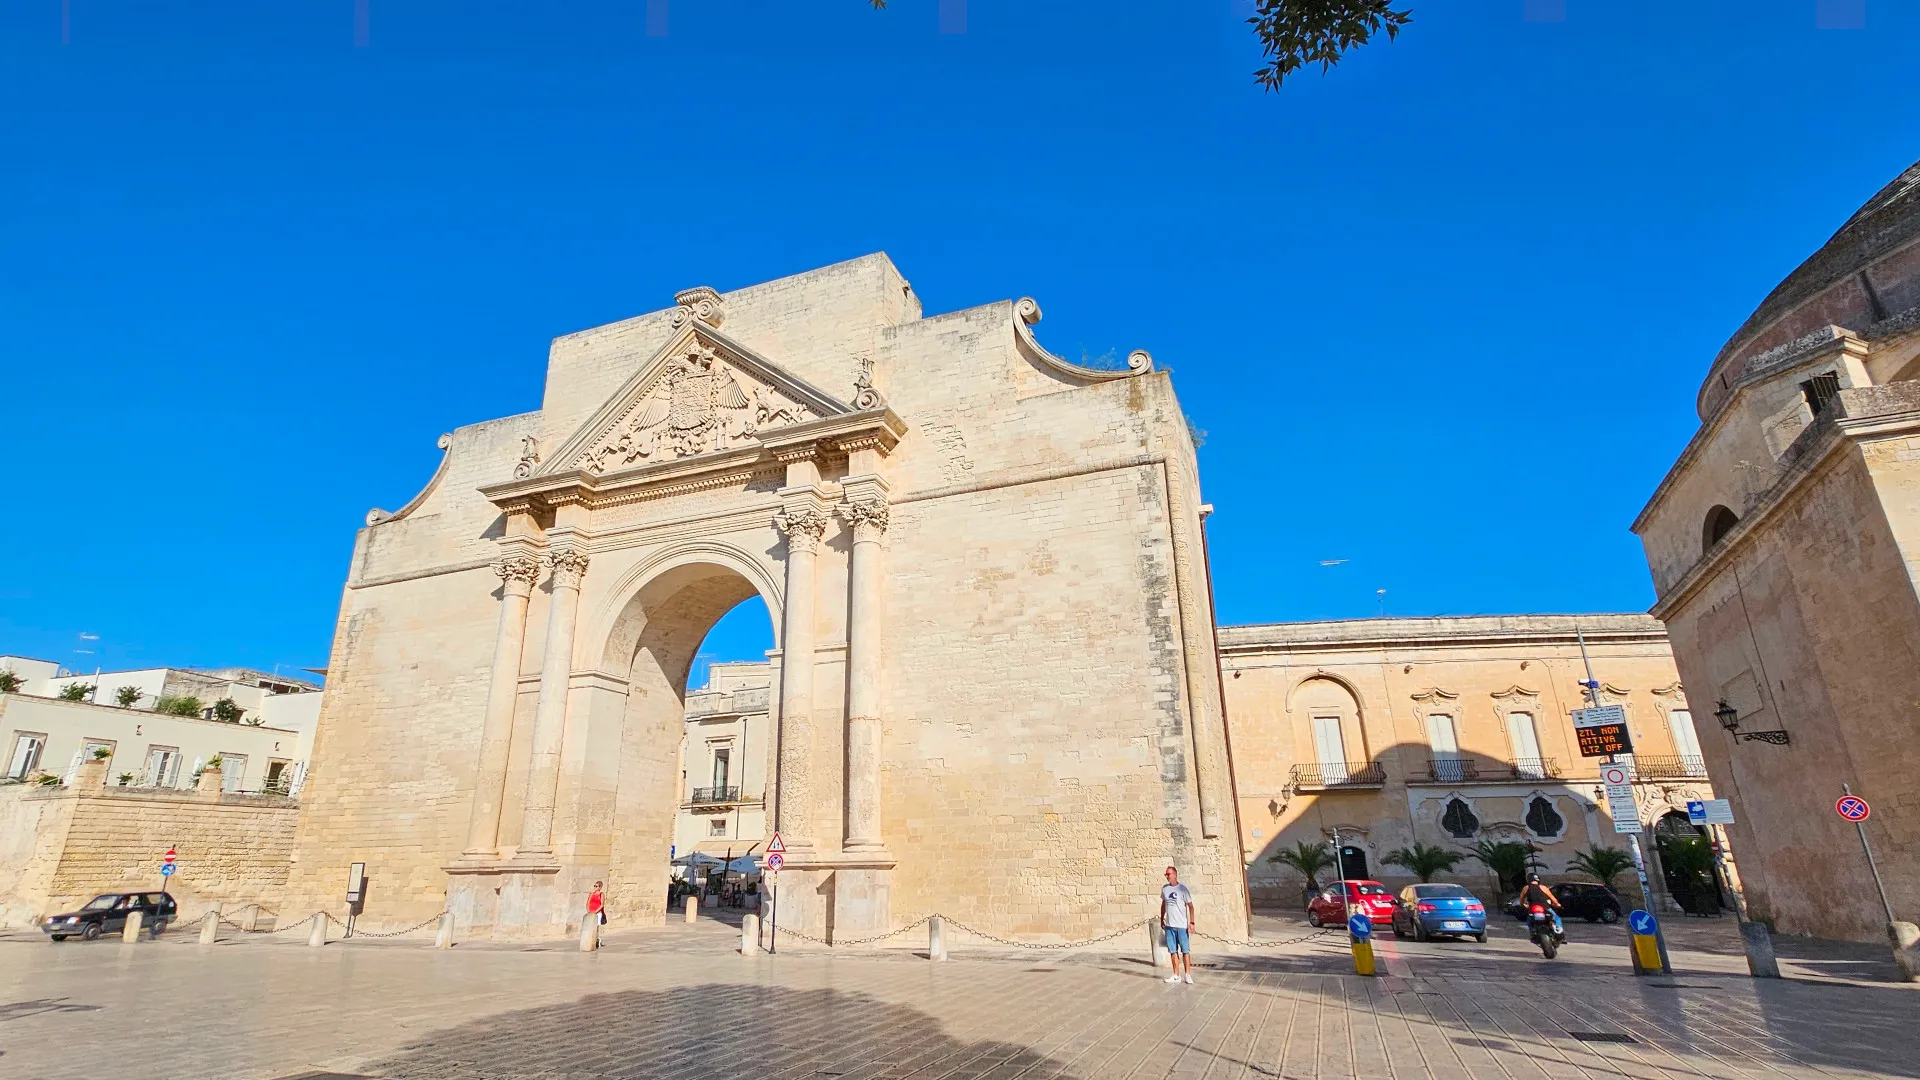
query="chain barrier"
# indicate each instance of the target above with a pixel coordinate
(921, 921)
(357, 932)
(1259, 943)
(275, 930)
(1055, 946)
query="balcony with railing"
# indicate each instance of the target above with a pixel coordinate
(716, 796)
(1668, 767)
(1442, 770)
(1545, 768)
(1336, 775)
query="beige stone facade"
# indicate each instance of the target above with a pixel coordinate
(1784, 545)
(995, 686)
(1379, 728)
(723, 763)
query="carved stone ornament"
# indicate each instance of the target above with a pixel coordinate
(569, 567)
(867, 516)
(697, 405)
(700, 304)
(517, 573)
(529, 457)
(864, 394)
(805, 526)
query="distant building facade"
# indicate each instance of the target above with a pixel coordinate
(1784, 545)
(723, 764)
(1446, 731)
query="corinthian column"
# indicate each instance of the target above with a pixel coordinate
(550, 716)
(804, 525)
(869, 520)
(517, 575)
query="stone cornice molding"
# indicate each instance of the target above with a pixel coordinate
(1671, 690)
(1026, 312)
(1372, 634)
(1437, 696)
(377, 516)
(1514, 693)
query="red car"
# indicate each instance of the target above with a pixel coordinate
(1330, 905)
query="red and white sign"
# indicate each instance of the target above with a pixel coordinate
(776, 846)
(169, 856)
(775, 861)
(1853, 808)
(1613, 774)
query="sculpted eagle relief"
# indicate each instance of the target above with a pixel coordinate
(696, 406)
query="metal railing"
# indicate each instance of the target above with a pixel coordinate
(1337, 774)
(1665, 766)
(709, 796)
(1452, 770)
(1544, 768)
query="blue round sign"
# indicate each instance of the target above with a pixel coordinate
(1359, 925)
(1640, 922)
(166, 870)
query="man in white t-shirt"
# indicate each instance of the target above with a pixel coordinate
(1176, 917)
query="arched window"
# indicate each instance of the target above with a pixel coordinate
(1720, 522)
(1459, 821)
(1543, 819)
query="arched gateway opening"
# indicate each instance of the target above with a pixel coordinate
(654, 639)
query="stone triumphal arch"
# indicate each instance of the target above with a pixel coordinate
(995, 687)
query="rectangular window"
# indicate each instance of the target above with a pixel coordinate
(1686, 742)
(233, 769)
(278, 774)
(27, 747)
(717, 827)
(1331, 749)
(1441, 736)
(1526, 747)
(722, 757)
(163, 766)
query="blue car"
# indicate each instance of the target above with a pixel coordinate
(1425, 912)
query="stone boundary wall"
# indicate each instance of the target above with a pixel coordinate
(60, 846)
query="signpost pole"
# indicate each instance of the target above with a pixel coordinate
(1592, 688)
(1873, 867)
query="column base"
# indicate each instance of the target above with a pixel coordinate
(513, 900)
(836, 898)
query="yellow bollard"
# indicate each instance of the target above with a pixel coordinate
(1646, 950)
(1362, 956)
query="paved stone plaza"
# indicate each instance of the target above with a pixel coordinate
(675, 1003)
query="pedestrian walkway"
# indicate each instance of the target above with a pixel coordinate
(674, 1003)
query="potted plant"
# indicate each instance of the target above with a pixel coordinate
(75, 692)
(126, 778)
(227, 711)
(102, 753)
(128, 696)
(47, 779)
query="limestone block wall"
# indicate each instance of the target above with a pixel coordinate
(60, 847)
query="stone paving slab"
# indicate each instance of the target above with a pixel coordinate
(676, 1004)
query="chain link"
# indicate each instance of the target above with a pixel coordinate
(390, 934)
(275, 930)
(1257, 943)
(1054, 946)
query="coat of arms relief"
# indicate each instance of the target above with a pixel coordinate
(697, 405)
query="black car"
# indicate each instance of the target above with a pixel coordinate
(1580, 900)
(107, 913)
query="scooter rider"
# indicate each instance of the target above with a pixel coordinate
(1536, 893)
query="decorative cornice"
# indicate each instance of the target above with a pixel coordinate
(1436, 694)
(1026, 313)
(1515, 691)
(1671, 690)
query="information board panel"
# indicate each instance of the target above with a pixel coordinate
(1602, 730)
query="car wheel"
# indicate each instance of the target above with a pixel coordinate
(1420, 931)
(91, 932)
(1313, 918)
(58, 937)
(1481, 937)
(1397, 932)
(1609, 915)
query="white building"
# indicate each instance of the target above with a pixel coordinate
(723, 764)
(160, 726)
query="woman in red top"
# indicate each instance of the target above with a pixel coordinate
(597, 905)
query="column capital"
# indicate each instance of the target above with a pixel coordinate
(517, 574)
(805, 526)
(569, 566)
(868, 516)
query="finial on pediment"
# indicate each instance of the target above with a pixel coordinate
(529, 457)
(701, 304)
(865, 396)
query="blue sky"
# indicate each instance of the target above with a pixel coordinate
(1441, 313)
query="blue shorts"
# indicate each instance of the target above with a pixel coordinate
(1177, 939)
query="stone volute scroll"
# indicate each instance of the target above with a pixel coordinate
(698, 304)
(1026, 312)
(865, 396)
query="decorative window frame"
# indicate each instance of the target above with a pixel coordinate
(1434, 701)
(1440, 813)
(1554, 800)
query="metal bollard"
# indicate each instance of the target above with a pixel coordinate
(210, 928)
(444, 938)
(693, 907)
(590, 933)
(936, 938)
(132, 932)
(318, 936)
(749, 934)
(1157, 945)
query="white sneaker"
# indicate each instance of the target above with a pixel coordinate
(1173, 978)
(1189, 980)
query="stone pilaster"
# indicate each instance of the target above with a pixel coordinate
(550, 715)
(805, 524)
(868, 516)
(517, 575)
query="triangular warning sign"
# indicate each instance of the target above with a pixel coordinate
(775, 846)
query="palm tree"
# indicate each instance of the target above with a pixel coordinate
(1309, 859)
(1508, 859)
(1603, 864)
(1424, 860)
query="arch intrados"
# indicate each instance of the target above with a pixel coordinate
(654, 581)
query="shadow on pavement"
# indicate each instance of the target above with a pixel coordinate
(722, 1030)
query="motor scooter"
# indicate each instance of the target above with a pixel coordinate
(1540, 931)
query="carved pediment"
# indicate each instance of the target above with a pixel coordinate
(700, 393)
(1436, 696)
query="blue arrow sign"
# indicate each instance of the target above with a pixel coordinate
(1640, 922)
(1359, 925)
(166, 870)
